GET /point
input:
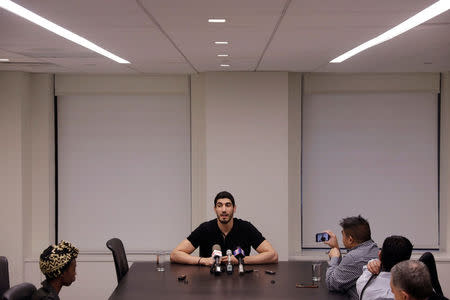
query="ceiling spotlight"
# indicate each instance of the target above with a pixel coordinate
(224, 65)
(222, 55)
(221, 43)
(217, 20)
(4, 60)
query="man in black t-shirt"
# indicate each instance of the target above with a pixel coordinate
(229, 233)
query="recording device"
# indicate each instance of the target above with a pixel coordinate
(239, 254)
(229, 265)
(301, 285)
(217, 255)
(322, 237)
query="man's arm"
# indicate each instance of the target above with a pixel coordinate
(182, 255)
(266, 255)
(342, 274)
(362, 280)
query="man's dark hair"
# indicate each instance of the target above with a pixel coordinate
(395, 249)
(224, 195)
(413, 278)
(357, 227)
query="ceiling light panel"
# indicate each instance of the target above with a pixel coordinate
(38, 20)
(217, 20)
(421, 17)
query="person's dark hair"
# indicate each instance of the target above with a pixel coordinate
(224, 195)
(395, 249)
(357, 227)
(413, 278)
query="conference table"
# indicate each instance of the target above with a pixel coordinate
(143, 281)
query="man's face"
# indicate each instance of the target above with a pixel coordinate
(224, 210)
(68, 276)
(346, 240)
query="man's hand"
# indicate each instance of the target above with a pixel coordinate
(234, 260)
(332, 242)
(206, 261)
(374, 266)
(334, 252)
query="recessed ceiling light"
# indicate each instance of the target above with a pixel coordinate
(217, 20)
(4, 60)
(36, 19)
(423, 16)
(221, 43)
(222, 55)
(224, 65)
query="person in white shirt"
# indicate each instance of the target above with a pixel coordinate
(374, 283)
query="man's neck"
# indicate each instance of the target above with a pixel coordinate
(225, 228)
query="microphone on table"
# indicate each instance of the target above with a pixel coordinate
(239, 254)
(217, 255)
(229, 265)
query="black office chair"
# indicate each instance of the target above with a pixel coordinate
(428, 259)
(22, 291)
(4, 275)
(120, 257)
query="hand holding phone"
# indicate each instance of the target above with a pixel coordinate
(322, 237)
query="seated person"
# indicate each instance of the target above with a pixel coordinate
(229, 233)
(58, 264)
(374, 282)
(410, 280)
(343, 272)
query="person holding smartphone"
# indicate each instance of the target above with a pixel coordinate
(343, 272)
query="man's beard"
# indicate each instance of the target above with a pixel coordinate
(230, 217)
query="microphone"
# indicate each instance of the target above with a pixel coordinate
(239, 254)
(217, 255)
(229, 265)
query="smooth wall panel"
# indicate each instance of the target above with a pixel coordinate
(247, 148)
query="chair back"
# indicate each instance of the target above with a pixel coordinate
(22, 291)
(428, 259)
(120, 257)
(4, 275)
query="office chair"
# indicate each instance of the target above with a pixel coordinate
(428, 259)
(120, 258)
(22, 291)
(4, 275)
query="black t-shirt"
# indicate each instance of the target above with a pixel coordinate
(243, 234)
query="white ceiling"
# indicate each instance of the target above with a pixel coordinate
(174, 36)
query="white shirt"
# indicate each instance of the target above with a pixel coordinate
(378, 288)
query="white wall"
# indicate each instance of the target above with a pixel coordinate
(14, 165)
(225, 107)
(246, 134)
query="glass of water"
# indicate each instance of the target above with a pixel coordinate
(160, 259)
(316, 266)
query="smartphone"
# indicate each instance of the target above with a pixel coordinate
(322, 237)
(301, 285)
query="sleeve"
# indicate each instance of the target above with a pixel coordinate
(196, 236)
(256, 238)
(362, 280)
(342, 276)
